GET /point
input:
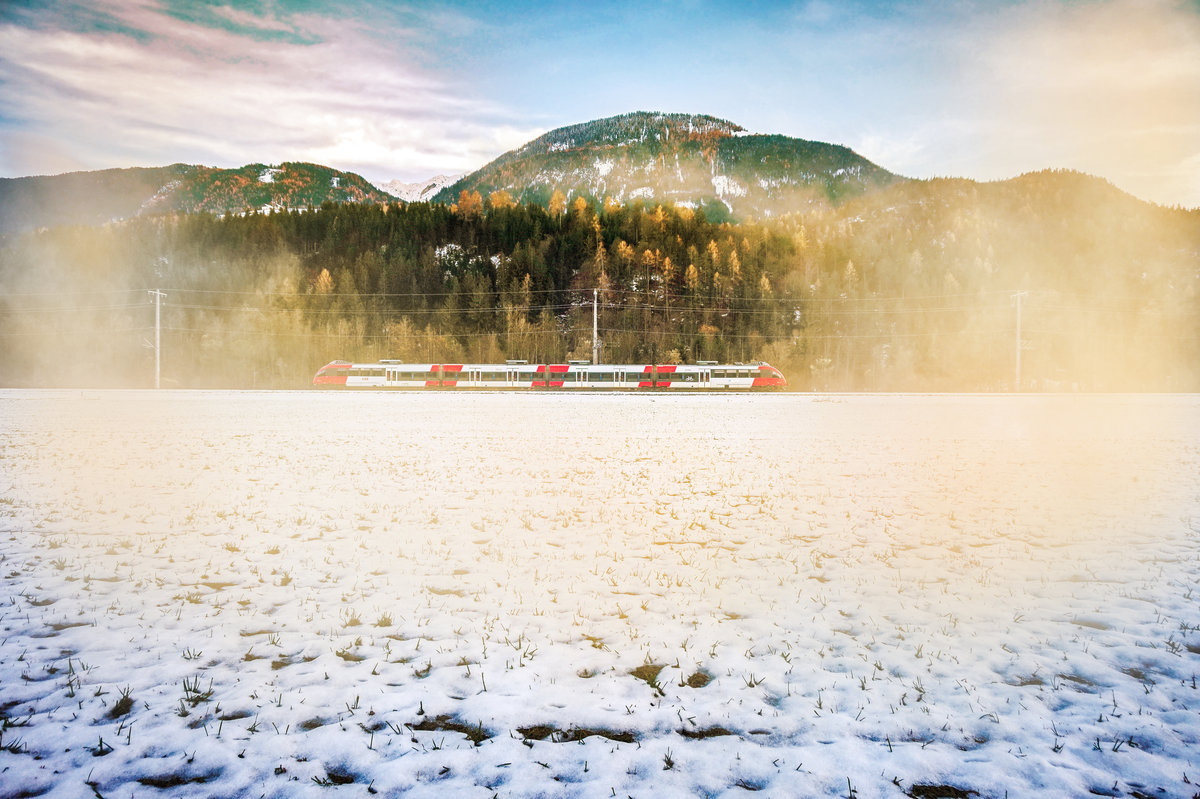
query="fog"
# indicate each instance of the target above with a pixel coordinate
(913, 287)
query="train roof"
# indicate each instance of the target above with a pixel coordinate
(570, 364)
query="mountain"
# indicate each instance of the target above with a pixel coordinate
(91, 198)
(689, 160)
(421, 191)
(685, 159)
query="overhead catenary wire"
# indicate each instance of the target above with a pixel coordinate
(808, 312)
(1087, 301)
(383, 336)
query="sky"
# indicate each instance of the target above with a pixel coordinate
(407, 90)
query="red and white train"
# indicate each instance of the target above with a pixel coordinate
(576, 374)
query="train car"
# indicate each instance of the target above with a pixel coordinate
(705, 375)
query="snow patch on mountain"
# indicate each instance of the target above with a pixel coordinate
(160, 197)
(420, 191)
(727, 186)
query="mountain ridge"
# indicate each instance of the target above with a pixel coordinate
(689, 160)
(692, 160)
(417, 191)
(108, 195)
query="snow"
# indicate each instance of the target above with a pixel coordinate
(298, 589)
(727, 186)
(161, 195)
(448, 253)
(552, 177)
(269, 174)
(421, 191)
(602, 167)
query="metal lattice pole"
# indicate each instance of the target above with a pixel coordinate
(158, 295)
(1019, 296)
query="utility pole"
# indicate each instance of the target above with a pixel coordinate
(595, 329)
(1019, 296)
(158, 295)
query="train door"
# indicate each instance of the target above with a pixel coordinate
(705, 376)
(619, 377)
(474, 377)
(581, 377)
(511, 377)
(392, 375)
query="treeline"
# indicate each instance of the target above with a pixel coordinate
(910, 288)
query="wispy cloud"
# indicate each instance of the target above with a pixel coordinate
(1111, 88)
(396, 89)
(151, 87)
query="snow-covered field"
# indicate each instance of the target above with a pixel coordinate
(340, 594)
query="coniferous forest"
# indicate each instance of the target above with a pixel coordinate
(914, 287)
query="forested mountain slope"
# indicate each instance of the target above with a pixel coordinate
(682, 159)
(99, 197)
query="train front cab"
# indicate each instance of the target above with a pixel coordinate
(333, 373)
(769, 377)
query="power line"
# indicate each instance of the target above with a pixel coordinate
(373, 311)
(90, 293)
(372, 294)
(73, 309)
(317, 334)
(807, 336)
(1087, 301)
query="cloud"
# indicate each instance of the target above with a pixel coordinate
(225, 93)
(974, 88)
(988, 91)
(1110, 88)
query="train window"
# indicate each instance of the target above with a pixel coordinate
(601, 377)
